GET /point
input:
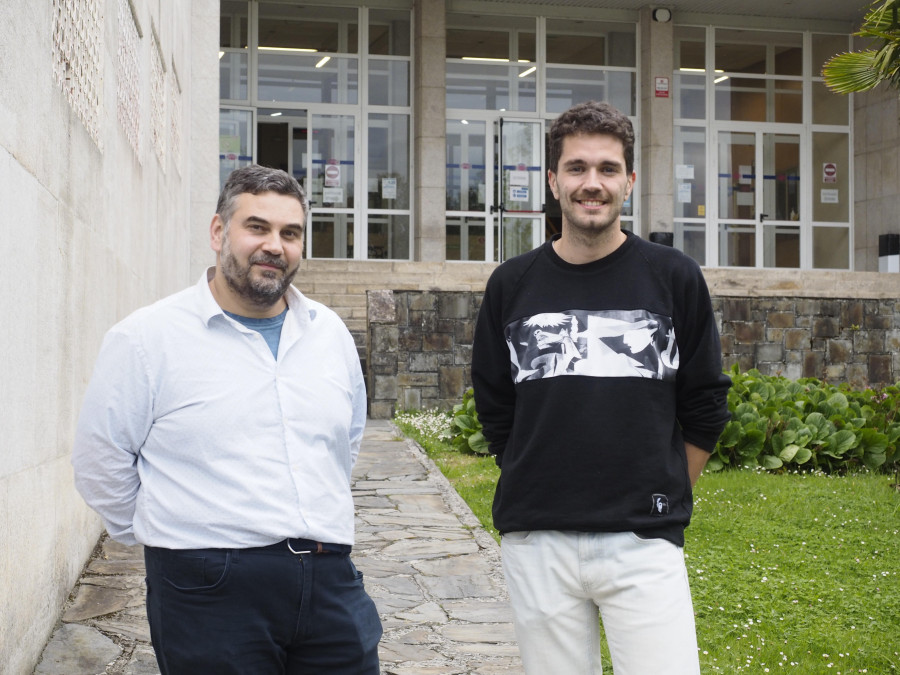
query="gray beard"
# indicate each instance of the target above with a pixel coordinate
(261, 293)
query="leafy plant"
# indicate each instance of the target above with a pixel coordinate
(778, 424)
(466, 428)
(865, 69)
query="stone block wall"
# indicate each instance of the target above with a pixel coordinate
(836, 340)
(419, 343)
(419, 349)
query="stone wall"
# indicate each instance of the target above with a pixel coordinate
(842, 340)
(420, 343)
(419, 349)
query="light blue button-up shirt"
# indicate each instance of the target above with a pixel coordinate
(192, 435)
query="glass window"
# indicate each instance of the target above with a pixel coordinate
(737, 245)
(388, 183)
(831, 177)
(743, 99)
(468, 43)
(737, 175)
(690, 96)
(824, 47)
(327, 29)
(330, 235)
(781, 176)
(690, 172)
(388, 236)
(233, 75)
(388, 82)
(690, 238)
(491, 67)
(233, 24)
(478, 85)
(235, 141)
(307, 78)
(781, 245)
(828, 107)
(333, 150)
(389, 32)
(568, 86)
(466, 166)
(466, 238)
(233, 61)
(831, 248)
(591, 43)
(759, 52)
(690, 47)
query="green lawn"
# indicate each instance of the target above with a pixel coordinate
(790, 573)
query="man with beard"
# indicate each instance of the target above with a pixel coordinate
(219, 430)
(597, 460)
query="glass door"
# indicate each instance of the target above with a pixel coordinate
(332, 185)
(471, 234)
(520, 186)
(737, 199)
(758, 210)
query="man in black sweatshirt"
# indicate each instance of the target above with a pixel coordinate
(598, 380)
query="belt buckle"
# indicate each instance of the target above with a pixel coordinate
(291, 548)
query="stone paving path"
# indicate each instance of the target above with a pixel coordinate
(432, 571)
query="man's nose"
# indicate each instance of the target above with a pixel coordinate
(272, 243)
(592, 180)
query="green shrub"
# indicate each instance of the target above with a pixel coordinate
(779, 424)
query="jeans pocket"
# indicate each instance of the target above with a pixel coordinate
(513, 538)
(196, 571)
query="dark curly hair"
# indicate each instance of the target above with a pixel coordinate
(591, 117)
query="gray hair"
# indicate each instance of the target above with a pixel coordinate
(255, 179)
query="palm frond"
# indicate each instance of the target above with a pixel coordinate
(850, 72)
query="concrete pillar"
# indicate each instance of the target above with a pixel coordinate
(656, 174)
(429, 143)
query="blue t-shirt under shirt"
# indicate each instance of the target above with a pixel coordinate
(269, 327)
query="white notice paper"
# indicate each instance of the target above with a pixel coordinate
(389, 188)
(518, 178)
(684, 171)
(830, 197)
(332, 195)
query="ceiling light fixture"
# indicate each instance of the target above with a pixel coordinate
(526, 73)
(287, 49)
(323, 61)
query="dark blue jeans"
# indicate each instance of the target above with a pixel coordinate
(260, 611)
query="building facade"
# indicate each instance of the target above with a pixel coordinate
(418, 128)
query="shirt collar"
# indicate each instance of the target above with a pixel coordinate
(300, 313)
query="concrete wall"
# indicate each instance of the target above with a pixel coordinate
(94, 229)
(838, 327)
(876, 131)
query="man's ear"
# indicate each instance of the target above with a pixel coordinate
(551, 181)
(216, 233)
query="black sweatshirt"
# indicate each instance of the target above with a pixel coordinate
(588, 379)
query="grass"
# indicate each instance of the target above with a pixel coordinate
(793, 573)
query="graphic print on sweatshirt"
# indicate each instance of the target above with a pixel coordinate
(608, 343)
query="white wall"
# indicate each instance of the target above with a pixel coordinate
(91, 231)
